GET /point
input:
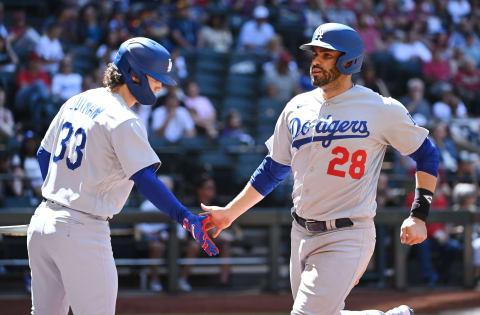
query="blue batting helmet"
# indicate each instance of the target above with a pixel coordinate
(342, 38)
(141, 56)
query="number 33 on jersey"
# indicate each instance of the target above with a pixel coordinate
(74, 146)
(338, 146)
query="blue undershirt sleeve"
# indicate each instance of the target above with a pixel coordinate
(154, 190)
(268, 175)
(43, 158)
(427, 158)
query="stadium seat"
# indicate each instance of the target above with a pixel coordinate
(215, 159)
(239, 103)
(281, 195)
(196, 143)
(245, 164)
(157, 142)
(210, 85)
(242, 85)
(84, 59)
(229, 143)
(269, 103)
(16, 202)
(269, 110)
(210, 62)
(263, 132)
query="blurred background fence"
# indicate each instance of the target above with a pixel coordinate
(270, 263)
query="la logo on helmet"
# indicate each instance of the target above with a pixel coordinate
(319, 34)
(169, 65)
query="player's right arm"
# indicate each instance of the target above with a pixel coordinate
(271, 172)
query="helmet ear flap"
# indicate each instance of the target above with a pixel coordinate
(140, 90)
(353, 67)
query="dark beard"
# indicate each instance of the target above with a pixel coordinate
(325, 78)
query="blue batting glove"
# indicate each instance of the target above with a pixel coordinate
(195, 224)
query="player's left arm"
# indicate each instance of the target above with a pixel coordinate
(273, 170)
(413, 230)
(151, 187)
(48, 143)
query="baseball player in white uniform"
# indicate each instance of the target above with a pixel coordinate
(333, 139)
(95, 149)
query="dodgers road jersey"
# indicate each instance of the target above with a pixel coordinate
(96, 143)
(336, 148)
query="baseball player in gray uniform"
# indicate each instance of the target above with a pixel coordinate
(333, 139)
(94, 151)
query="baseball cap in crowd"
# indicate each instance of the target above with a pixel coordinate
(260, 12)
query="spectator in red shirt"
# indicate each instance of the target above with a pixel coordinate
(370, 35)
(467, 82)
(33, 85)
(436, 69)
(32, 73)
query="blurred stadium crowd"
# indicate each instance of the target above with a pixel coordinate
(237, 63)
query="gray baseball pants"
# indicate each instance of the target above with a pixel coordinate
(71, 261)
(324, 267)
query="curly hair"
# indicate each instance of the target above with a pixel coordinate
(112, 78)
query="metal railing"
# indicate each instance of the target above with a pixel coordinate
(273, 220)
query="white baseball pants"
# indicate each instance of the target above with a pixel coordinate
(324, 267)
(71, 261)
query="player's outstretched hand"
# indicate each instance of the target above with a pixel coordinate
(413, 231)
(221, 218)
(195, 224)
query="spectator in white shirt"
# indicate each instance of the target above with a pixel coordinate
(49, 48)
(449, 106)
(458, 9)
(216, 35)
(172, 121)
(201, 110)
(410, 47)
(255, 34)
(283, 78)
(65, 83)
(409, 52)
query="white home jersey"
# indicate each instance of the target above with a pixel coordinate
(96, 143)
(336, 149)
